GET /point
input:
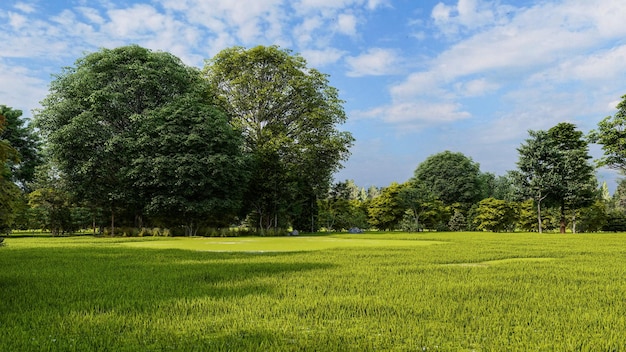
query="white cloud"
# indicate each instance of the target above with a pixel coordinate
(416, 115)
(531, 51)
(374, 62)
(20, 88)
(346, 24)
(24, 7)
(320, 58)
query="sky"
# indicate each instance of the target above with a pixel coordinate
(418, 77)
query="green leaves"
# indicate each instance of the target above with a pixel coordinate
(288, 115)
(554, 166)
(611, 134)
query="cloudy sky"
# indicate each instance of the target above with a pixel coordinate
(418, 76)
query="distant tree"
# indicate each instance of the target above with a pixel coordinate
(527, 216)
(611, 134)
(495, 215)
(457, 222)
(417, 199)
(451, 177)
(576, 184)
(26, 142)
(536, 175)
(386, 211)
(592, 218)
(288, 114)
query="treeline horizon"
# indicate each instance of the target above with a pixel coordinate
(132, 138)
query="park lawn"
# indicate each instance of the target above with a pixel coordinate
(366, 292)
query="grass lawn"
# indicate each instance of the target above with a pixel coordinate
(365, 292)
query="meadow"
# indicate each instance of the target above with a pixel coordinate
(339, 292)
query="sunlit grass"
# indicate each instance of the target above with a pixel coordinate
(376, 291)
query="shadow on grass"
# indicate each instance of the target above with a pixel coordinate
(42, 281)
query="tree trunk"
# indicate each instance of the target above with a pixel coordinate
(539, 215)
(562, 221)
(112, 222)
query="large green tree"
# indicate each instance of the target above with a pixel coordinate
(554, 168)
(288, 114)
(26, 142)
(451, 177)
(188, 165)
(91, 117)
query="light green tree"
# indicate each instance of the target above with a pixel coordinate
(495, 215)
(386, 211)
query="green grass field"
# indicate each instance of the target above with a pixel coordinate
(369, 292)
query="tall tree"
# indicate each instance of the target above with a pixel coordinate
(576, 185)
(417, 198)
(288, 114)
(554, 167)
(611, 134)
(26, 142)
(9, 193)
(89, 119)
(451, 177)
(189, 165)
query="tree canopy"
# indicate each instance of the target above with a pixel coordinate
(288, 114)
(451, 177)
(611, 134)
(27, 144)
(554, 167)
(99, 121)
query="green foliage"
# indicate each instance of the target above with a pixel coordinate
(188, 164)
(288, 115)
(26, 143)
(451, 177)
(386, 211)
(611, 134)
(495, 215)
(91, 116)
(554, 168)
(9, 192)
(457, 222)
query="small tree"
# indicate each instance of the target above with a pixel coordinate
(495, 215)
(457, 222)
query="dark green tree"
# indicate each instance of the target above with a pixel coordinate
(9, 192)
(26, 142)
(576, 186)
(536, 176)
(554, 166)
(451, 177)
(288, 114)
(188, 164)
(89, 120)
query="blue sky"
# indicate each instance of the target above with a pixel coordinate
(418, 76)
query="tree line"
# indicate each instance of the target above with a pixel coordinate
(128, 138)
(553, 188)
